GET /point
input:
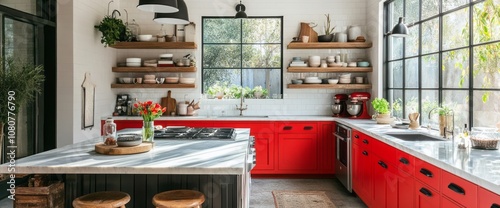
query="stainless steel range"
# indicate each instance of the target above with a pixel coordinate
(188, 133)
(343, 167)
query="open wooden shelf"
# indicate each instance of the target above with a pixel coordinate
(153, 86)
(297, 69)
(154, 69)
(330, 86)
(329, 45)
(154, 45)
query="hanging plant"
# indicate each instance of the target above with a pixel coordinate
(112, 29)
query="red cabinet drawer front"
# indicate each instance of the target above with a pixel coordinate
(359, 138)
(297, 153)
(458, 189)
(291, 127)
(448, 203)
(427, 173)
(425, 196)
(404, 162)
(383, 150)
(487, 198)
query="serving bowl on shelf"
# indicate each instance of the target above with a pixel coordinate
(187, 80)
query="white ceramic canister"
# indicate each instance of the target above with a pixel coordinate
(190, 31)
(353, 32)
(182, 108)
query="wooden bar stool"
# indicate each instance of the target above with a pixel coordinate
(103, 199)
(179, 199)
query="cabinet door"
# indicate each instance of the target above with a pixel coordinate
(427, 173)
(458, 189)
(326, 146)
(297, 153)
(264, 147)
(362, 173)
(384, 183)
(448, 203)
(404, 187)
(425, 196)
(487, 199)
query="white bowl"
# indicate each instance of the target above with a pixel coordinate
(166, 55)
(171, 80)
(187, 80)
(312, 78)
(133, 60)
(345, 76)
(344, 81)
(313, 81)
(314, 58)
(145, 37)
(333, 81)
(133, 63)
(127, 80)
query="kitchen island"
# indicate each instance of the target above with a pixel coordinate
(218, 169)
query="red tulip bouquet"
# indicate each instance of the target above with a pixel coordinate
(149, 112)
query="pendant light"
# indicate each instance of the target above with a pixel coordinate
(240, 9)
(178, 18)
(399, 30)
(164, 6)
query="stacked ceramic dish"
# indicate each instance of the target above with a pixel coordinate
(312, 80)
(134, 62)
(171, 80)
(345, 78)
(314, 61)
(187, 80)
(149, 79)
(330, 60)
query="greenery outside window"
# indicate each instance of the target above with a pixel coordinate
(450, 58)
(242, 53)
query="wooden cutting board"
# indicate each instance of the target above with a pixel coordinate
(170, 103)
(116, 150)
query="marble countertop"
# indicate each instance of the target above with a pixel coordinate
(231, 118)
(167, 157)
(481, 167)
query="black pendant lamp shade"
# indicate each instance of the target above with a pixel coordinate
(178, 18)
(400, 30)
(164, 6)
(240, 8)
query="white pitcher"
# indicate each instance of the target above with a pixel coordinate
(353, 32)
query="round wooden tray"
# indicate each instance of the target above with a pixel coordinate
(116, 150)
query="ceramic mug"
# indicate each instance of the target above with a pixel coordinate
(305, 39)
(138, 80)
(359, 80)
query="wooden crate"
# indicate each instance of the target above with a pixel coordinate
(51, 196)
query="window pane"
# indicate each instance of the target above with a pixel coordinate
(412, 8)
(429, 102)
(486, 108)
(267, 78)
(486, 22)
(262, 30)
(221, 30)
(412, 101)
(221, 56)
(456, 69)
(456, 29)
(262, 56)
(412, 41)
(429, 8)
(458, 100)
(486, 66)
(430, 36)
(212, 76)
(452, 4)
(430, 71)
(396, 48)
(395, 77)
(396, 100)
(411, 73)
(28, 6)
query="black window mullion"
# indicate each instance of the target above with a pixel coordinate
(241, 52)
(440, 56)
(471, 65)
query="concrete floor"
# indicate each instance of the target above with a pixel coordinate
(261, 191)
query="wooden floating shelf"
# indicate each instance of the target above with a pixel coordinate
(329, 45)
(330, 86)
(154, 45)
(154, 69)
(153, 86)
(329, 69)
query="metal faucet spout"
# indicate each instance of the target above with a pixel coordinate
(241, 108)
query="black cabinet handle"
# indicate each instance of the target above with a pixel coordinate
(426, 172)
(495, 206)
(365, 153)
(425, 192)
(404, 161)
(308, 127)
(365, 141)
(456, 188)
(381, 163)
(356, 136)
(287, 128)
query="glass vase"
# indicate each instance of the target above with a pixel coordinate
(148, 131)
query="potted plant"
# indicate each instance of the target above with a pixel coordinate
(328, 36)
(19, 83)
(113, 30)
(381, 106)
(217, 90)
(259, 92)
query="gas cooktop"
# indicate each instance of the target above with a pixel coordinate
(196, 133)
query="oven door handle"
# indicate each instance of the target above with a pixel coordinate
(340, 137)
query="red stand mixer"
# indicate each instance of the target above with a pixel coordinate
(358, 108)
(339, 109)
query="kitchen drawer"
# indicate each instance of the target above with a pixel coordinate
(427, 173)
(360, 138)
(425, 196)
(448, 203)
(383, 150)
(487, 198)
(404, 161)
(292, 127)
(458, 189)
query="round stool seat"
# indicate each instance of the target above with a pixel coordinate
(178, 199)
(103, 199)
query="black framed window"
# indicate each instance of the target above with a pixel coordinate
(243, 52)
(451, 58)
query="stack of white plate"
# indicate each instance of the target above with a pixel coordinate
(345, 78)
(134, 62)
(312, 80)
(149, 79)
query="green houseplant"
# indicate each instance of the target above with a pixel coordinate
(381, 106)
(113, 30)
(328, 37)
(259, 92)
(19, 83)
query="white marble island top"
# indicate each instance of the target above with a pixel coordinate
(167, 157)
(481, 167)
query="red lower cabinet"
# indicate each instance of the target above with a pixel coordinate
(458, 189)
(264, 147)
(404, 188)
(487, 199)
(425, 196)
(385, 183)
(297, 153)
(448, 203)
(326, 148)
(362, 173)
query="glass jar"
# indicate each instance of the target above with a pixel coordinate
(109, 132)
(134, 29)
(485, 138)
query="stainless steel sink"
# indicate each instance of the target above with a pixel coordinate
(415, 137)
